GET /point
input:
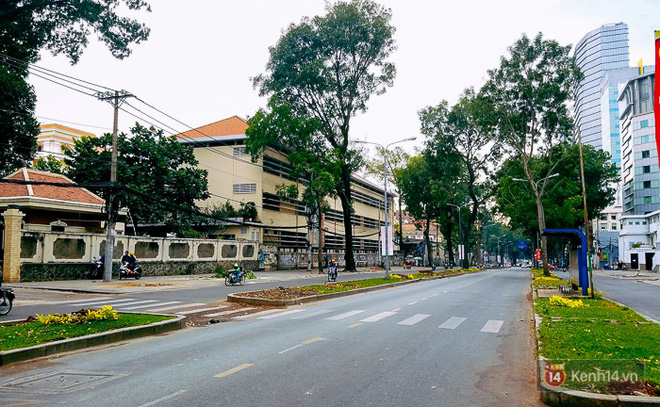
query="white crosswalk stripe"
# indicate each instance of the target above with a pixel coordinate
(196, 304)
(452, 323)
(378, 317)
(414, 319)
(124, 305)
(493, 326)
(282, 314)
(313, 314)
(73, 302)
(96, 303)
(196, 310)
(151, 305)
(345, 315)
(228, 312)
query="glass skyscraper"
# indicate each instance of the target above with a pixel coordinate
(601, 50)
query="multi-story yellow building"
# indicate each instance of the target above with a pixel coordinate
(220, 149)
(55, 139)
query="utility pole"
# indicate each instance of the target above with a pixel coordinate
(116, 99)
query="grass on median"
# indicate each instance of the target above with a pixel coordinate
(541, 281)
(599, 330)
(35, 333)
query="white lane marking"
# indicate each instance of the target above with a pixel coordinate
(152, 305)
(414, 319)
(134, 303)
(85, 300)
(313, 314)
(396, 310)
(106, 302)
(194, 311)
(170, 396)
(413, 303)
(345, 315)
(228, 312)
(300, 345)
(434, 295)
(355, 325)
(179, 306)
(452, 323)
(424, 299)
(282, 314)
(493, 326)
(378, 317)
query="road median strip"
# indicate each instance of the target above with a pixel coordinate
(593, 351)
(283, 296)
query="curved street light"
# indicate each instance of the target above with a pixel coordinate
(386, 238)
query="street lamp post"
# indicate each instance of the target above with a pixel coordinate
(460, 233)
(387, 235)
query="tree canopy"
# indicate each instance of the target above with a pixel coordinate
(62, 27)
(323, 71)
(163, 171)
(563, 198)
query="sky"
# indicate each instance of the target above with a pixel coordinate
(198, 62)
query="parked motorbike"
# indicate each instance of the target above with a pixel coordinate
(235, 276)
(6, 300)
(97, 268)
(126, 271)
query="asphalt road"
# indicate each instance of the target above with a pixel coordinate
(462, 341)
(634, 293)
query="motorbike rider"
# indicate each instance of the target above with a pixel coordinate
(129, 259)
(236, 272)
(333, 264)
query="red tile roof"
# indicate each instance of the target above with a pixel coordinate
(231, 126)
(66, 194)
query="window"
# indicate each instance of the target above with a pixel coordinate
(244, 231)
(613, 217)
(245, 188)
(240, 151)
(603, 226)
(646, 169)
(644, 123)
(614, 226)
(647, 200)
(647, 184)
(646, 154)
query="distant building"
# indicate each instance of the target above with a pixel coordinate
(600, 50)
(55, 139)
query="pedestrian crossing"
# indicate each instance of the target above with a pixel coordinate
(490, 326)
(171, 307)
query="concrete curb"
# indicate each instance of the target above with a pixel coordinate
(238, 297)
(561, 396)
(102, 338)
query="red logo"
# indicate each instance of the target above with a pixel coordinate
(554, 374)
(537, 255)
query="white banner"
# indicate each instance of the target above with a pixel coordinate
(390, 241)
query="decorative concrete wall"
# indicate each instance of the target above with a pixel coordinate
(67, 256)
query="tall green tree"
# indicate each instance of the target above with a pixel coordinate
(467, 134)
(528, 98)
(162, 170)
(562, 199)
(49, 164)
(326, 69)
(62, 27)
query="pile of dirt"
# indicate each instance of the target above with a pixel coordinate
(279, 293)
(638, 388)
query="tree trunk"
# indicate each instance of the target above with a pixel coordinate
(544, 240)
(449, 242)
(347, 209)
(427, 242)
(320, 253)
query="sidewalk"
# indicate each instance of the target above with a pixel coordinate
(181, 282)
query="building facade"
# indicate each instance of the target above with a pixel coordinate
(287, 227)
(55, 139)
(600, 50)
(639, 170)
